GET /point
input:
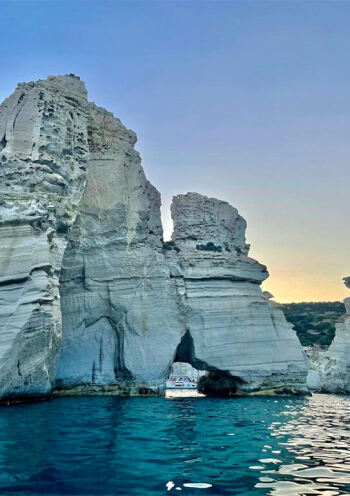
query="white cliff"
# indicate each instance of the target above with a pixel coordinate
(184, 369)
(120, 313)
(92, 299)
(230, 325)
(330, 369)
(43, 156)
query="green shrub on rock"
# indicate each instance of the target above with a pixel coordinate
(209, 247)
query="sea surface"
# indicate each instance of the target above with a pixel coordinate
(188, 446)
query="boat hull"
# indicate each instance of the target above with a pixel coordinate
(171, 385)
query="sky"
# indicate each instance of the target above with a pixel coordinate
(247, 101)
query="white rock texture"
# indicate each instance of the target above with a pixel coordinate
(330, 369)
(90, 295)
(230, 325)
(43, 157)
(120, 307)
(184, 369)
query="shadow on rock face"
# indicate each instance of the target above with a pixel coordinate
(219, 383)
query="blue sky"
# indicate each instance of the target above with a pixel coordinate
(248, 101)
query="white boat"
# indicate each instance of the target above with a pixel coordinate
(181, 383)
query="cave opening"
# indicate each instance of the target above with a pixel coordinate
(186, 370)
(185, 349)
(219, 383)
(210, 382)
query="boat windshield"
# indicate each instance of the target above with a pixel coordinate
(181, 379)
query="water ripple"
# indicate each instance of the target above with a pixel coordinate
(318, 434)
(132, 446)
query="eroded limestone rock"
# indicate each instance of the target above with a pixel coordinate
(231, 326)
(120, 307)
(43, 157)
(85, 274)
(330, 369)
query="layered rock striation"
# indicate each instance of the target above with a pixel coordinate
(119, 304)
(231, 326)
(92, 298)
(43, 158)
(330, 369)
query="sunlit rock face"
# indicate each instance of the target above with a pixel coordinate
(91, 296)
(43, 157)
(184, 369)
(231, 325)
(330, 369)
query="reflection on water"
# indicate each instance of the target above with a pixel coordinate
(317, 436)
(191, 446)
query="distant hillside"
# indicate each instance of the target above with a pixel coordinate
(314, 322)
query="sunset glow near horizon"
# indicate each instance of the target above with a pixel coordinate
(293, 276)
(245, 101)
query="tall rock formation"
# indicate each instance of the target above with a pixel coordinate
(330, 369)
(119, 305)
(230, 325)
(87, 281)
(43, 157)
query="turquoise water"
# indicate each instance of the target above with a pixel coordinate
(154, 446)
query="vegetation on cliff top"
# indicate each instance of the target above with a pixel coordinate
(314, 322)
